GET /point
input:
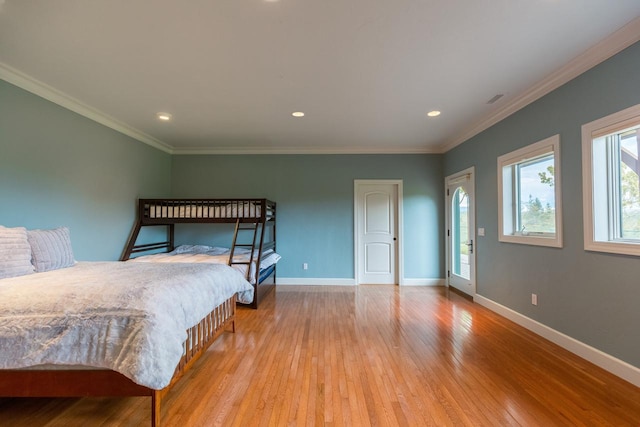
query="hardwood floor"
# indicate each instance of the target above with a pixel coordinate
(367, 356)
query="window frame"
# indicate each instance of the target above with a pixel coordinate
(597, 129)
(507, 193)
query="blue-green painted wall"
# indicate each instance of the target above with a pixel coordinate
(59, 168)
(592, 297)
(314, 196)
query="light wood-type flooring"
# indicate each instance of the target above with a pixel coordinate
(367, 356)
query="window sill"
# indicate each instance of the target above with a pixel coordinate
(554, 242)
(613, 247)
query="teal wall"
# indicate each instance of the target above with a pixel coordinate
(59, 168)
(592, 297)
(314, 196)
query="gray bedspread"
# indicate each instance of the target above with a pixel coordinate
(127, 317)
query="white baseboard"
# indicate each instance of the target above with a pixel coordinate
(423, 282)
(315, 281)
(352, 282)
(607, 362)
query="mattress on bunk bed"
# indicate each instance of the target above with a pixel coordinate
(230, 210)
(215, 255)
(128, 317)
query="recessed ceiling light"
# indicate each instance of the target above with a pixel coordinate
(297, 114)
(434, 113)
(165, 117)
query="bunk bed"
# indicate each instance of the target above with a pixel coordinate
(254, 238)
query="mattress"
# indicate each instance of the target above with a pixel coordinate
(128, 317)
(214, 255)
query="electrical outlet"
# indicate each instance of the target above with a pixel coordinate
(534, 299)
(305, 266)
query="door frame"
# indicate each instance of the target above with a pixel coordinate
(399, 273)
(448, 181)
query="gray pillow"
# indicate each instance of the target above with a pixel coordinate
(51, 249)
(15, 252)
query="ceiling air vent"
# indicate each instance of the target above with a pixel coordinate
(495, 98)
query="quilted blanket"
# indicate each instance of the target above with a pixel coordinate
(216, 255)
(127, 317)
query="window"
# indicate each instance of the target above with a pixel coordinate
(611, 183)
(529, 200)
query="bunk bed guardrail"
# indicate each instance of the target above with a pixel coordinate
(160, 211)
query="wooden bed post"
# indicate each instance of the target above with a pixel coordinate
(155, 408)
(171, 237)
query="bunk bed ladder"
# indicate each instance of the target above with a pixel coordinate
(132, 241)
(252, 246)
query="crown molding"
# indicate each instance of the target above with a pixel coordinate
(605, 49)
(49, 93)
(300, 150)
(613, 44)
(43, 90)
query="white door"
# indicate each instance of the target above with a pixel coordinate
(376, 207)
(461, 251)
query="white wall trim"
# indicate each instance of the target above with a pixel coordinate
(43, 90)
(607, 362)
(613, 44)
(305, 150)
(314, 281)
(52, 94)
(286, 281)
(424, 282)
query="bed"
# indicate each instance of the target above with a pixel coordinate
(252, 248)
(220, 255)
(105, 328)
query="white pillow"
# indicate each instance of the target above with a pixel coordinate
(15, 252)
(51, 249)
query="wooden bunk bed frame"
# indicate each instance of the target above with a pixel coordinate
(104, 382)
(254, 215)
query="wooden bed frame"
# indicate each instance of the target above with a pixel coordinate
(166, 212)
(103, 382)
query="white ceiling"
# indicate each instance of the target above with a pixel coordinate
(365, 72)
